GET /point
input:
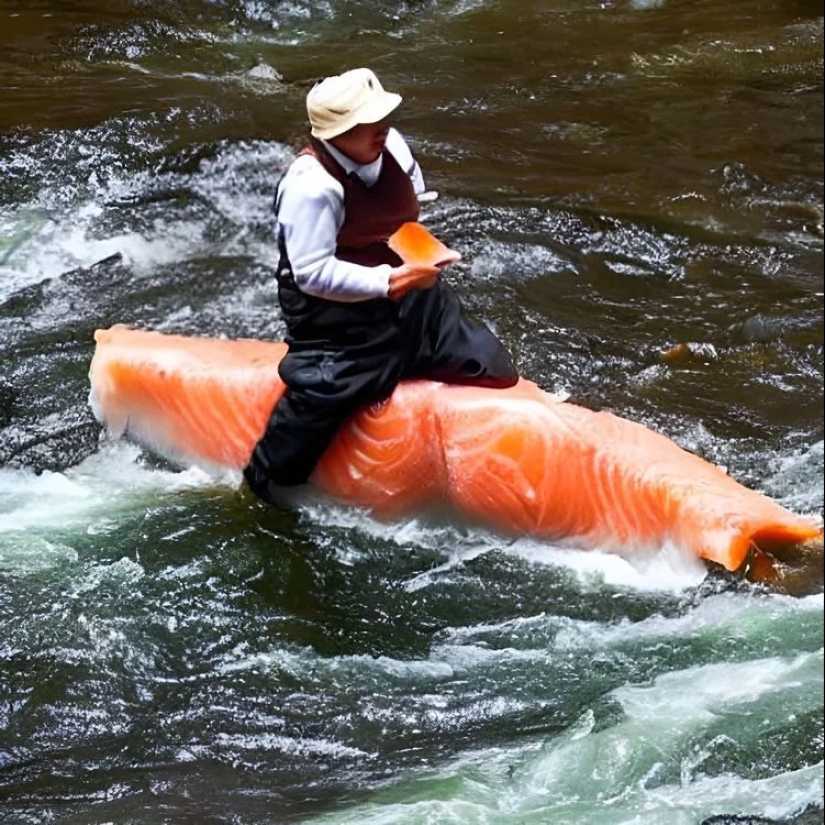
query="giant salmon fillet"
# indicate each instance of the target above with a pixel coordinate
(518, 460)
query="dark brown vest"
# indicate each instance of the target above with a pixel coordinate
(371, 213)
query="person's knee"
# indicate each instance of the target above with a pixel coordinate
(502, 382)
(499, 380)
(501, 370)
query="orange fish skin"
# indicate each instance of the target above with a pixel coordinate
(192, 400)
(519, 460)
(525, 463)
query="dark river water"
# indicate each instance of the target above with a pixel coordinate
(623, 178)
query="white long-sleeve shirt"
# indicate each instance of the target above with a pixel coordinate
(311, 212)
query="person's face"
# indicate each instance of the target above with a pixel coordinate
(364, 142)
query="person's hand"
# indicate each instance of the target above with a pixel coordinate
(411, 276)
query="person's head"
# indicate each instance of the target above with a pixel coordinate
(351, 110)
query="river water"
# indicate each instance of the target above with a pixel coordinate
(622, 177)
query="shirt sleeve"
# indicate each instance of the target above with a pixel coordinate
(310, 215)
(401, 152)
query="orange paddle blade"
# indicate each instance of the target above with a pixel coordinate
(414, 244)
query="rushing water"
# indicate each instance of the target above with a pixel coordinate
(621, 177)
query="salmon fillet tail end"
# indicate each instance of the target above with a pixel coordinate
(785, 540)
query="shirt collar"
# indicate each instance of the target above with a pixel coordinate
(368, 172)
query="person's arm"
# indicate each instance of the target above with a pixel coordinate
(310, 215)
(402, 153)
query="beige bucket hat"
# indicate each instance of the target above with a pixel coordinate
(338, 103)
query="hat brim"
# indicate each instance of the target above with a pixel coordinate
(371, 112)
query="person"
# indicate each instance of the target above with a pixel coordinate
(358, 318)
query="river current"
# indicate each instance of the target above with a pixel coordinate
(636, 187)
